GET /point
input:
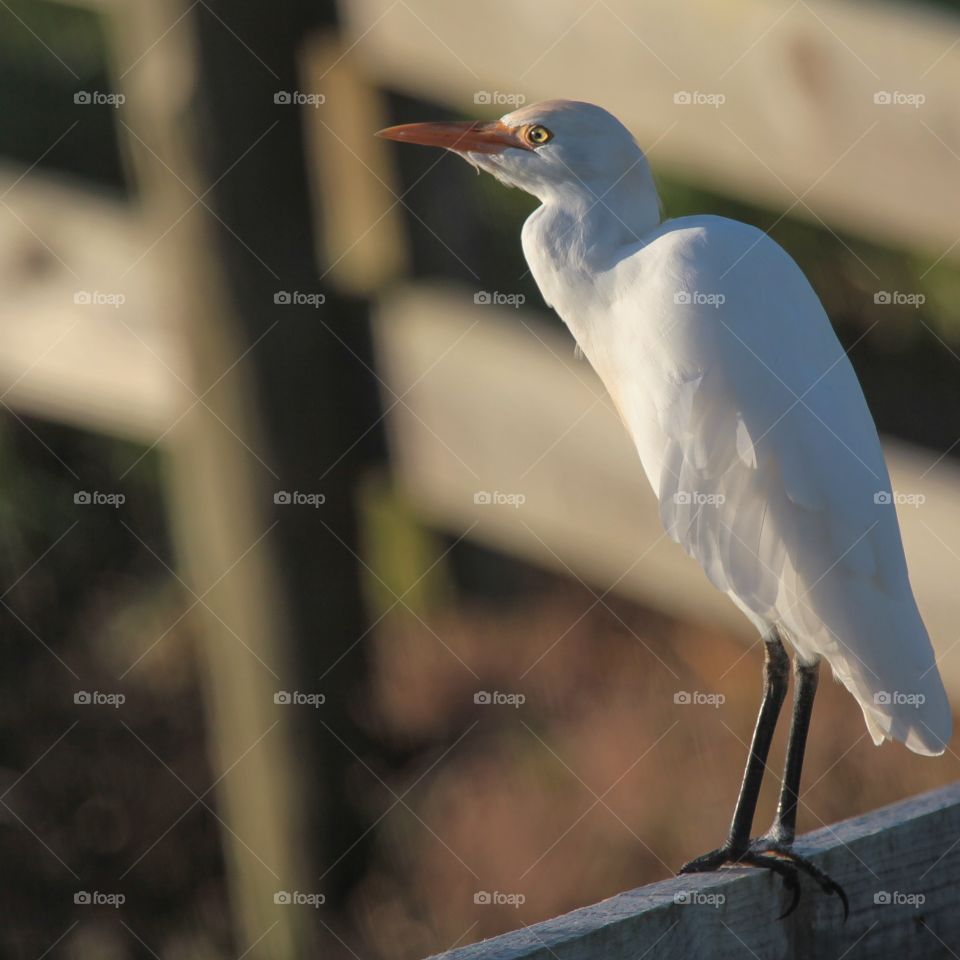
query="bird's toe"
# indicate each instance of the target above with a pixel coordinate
(711, 861)
(776, 848)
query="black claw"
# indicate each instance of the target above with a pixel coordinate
(839, 891)
(779, 859)
(827, 884)
(784, 869)
(793, 904)
(709, 861)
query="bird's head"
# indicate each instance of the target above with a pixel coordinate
(557, 147)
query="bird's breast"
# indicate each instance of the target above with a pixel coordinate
(629, 351)
(632, 365)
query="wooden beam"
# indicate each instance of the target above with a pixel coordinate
(119, 370)
(798, 119)
(83, 338)
(493, 402)
(894, 864)
(219, 483)
(359, 237)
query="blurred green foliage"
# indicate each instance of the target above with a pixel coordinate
(48, 53)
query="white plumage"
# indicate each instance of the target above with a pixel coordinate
(754, 432)
(746, 413)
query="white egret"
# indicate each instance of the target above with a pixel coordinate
(750, 424)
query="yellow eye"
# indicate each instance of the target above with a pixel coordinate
(537, 134)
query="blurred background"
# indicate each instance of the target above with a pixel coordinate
(336, 612)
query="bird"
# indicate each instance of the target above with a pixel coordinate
(750, 425)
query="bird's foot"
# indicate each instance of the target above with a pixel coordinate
(770, 853)
(772, 844)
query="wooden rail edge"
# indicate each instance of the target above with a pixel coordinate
(899, 866)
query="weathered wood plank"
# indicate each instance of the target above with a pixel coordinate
(494, 402)
(899, 865)
(588, 508)
(352, 179)
(83, 338)
(219, 482)
(799, 80)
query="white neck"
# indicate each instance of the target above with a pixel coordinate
(582, 230)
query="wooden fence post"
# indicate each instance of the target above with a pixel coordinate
(274, 400)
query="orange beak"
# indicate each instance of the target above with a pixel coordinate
(463, 136)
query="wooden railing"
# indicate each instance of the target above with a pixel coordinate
(138, 373)
(899, 866)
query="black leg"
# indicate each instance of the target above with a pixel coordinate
(776, 666)
(779, 838)
(772, 851)
(805, 689)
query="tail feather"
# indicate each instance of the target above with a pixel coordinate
(877, 645)
(924, 728)
(894, 677)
